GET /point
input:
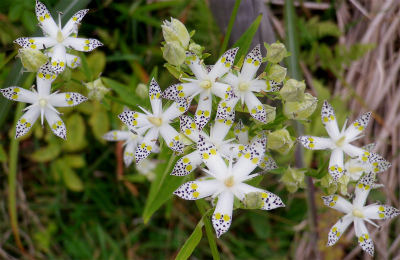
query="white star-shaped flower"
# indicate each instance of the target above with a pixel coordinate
(43, 103)
(157, 123)
(205, 84)
(218, 132)
(338, 142)
(244, 84)
(358, 213)
(228, 182)
(58, 38)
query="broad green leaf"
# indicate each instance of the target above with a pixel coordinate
(100, 125)
(191, 243)
(71, 179)
(75, 133)
(48, 153)
(260, 225)
(96, 62)
(85, 68)
(74, 161)
(244, 41)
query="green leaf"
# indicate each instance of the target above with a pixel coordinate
(46, 154)
(100, 125)
(127, 94)
(71, 179)
(154, 74)
(74, 161)
(255, 181)
(85, 68)
(3, 155)
(15, 12)
(191, 243)
(75, 133)
(163, 186)
(244, 41)
(230, 26)
(96, 62)
(175, 72)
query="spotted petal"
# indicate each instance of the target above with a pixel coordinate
(155, 98)
(223, 64)
(357, 127)
(73, 61)
(196, 66)
(180, 106)
(146, 146)
(362, 189)
(66, 99)
(251, 64)
(187, 164)
(338, 203)
(134, 119)
(338, 229)
(259, 85)
(58, 59)
(117, 135)
(336, 166)
(256, 108)
(268, 163)
(223, 91)
(203, 111)
(225, 107)
(171, 138)
(181, 90)
(221, 127)
(44, 77)
(211, 157)
(35, 43)
(380, 212)
(194, 190)
(129, 152)
(189, 128)
(27, 120)
(19, 94)
(364, 238)
(270, 200)
(315, 143)
(329, 121)
(73, 22)
(81, 44)
(55, 123)
(250, 159)
(241, 133)
(46, 21)
(222, 217)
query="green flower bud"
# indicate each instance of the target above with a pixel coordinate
(184, 139)
(65, 74)
(271, 113)
(32, 59)
(96, 89)
(332, 188)
(280, 141)
(342, 183)
(142, 90)
(327, 180)
(253, 200)
(276, 52)
(197, 49)
(276, 73)
(293, 90)
(300, 110)
(293, 179)
(175, 31)
(174, 53)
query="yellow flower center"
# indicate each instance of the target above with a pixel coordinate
(206, 84)
(358, 213)
(340, 142)
(244, 86)
(229, 182)
(60, 37)
(43, 102)
(155, 120)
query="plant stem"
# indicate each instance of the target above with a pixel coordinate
(230, 26)
(209, 230)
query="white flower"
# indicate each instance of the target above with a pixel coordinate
(43, 103)
(218, 132)
(157, 123)
(228, 182)
(366, 163)
(244, 84)
(205, 84)
(242, 135)
(338, 142)
(146, 167)
(357, 213)
(58, 38)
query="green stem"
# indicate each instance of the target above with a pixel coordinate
(12, 180)
(230, 26)
(209, 230)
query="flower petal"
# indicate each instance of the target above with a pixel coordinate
(362, 189)
(71, 25)
(58, 59)
(241, 133)
(338, 203)
(171, 138)
(129, 152)
(180, 106)
(364, 238)
(134, 119)
(251, 64)
(81, 44)
(258, 85)
(223, 91)
(352, 150)
(117, 135)
(194, 190)
(27, 120)
(357, 127)
(35, 43)
(271, 201)
(336, 164)
(211, 157)
(225, 107)
(55, 123)
(46, 21)
(338, 229)
(230, 79)
(19, 94)
(221, 128)
(203, 111)
(250, 159)
(329, 121)
(222, 217)
(181, 90)
(145, 147)
(256, 109)
(315, 143)
(187, 164)
(223, 64)
(67, 99)
(73, 61)
(155, 98)
(268, 163)
(189, 128)
(196, 66)
(380, 212)
(44, 78)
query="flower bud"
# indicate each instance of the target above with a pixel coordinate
(280, 141)
(175, 31)
(174, 53)
(142, 90)
(328, 183)
(32, 59)
(300, 110)
(270, 112)
(65, 74)
(276, 52)
(96, 89)
(293, 90)
(276, 73)
(253, 200)
(197, 49)
(293, 179)
(342, 183)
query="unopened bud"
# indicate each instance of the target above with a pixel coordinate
(253, 200)
(197, 49)
(300, 110)
(175, 31)
(142, 91)
(293, 90)
(280, 141)
(32, 59)
(276, 73)
(293, 179)
(65, 74)
(342, 183)
(270, 113)
(96, 89)
(276, 52)
(328, 183)
(174, 53)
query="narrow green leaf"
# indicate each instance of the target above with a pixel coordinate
(3, 155)
(85, 68)
(230, 26)
(127, 94)
(255, 181)
(192, 242)
(154, 74)
(244, 41)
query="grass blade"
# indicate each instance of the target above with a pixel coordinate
(230, 26)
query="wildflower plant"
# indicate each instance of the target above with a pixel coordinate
(235, 127)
